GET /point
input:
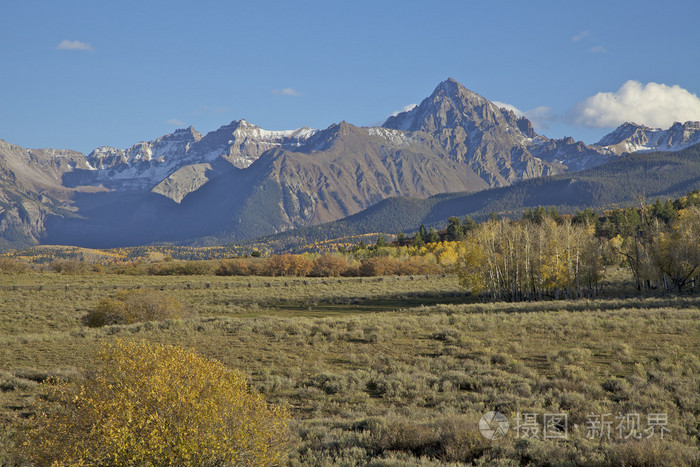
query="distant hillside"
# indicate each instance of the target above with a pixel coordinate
(620, 182)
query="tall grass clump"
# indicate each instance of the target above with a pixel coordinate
(134, 306)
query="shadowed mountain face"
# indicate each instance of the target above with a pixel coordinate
(620, 182)
(241, 182)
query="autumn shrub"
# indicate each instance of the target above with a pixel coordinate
(353, 270)
(653, 452)
(417, 265)
(452, 439)
(232, 267)
(152, 404)
(181, 268)
(288, 265)
(460, 440)
(131, 268)
(70, 266)
(404, 435)
(378, 266)
(13, 266)
(133, 306)
(329, 266)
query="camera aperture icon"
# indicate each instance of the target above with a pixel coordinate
(493, 425)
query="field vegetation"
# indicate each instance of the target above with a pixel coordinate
(386, 370)
(381, 354)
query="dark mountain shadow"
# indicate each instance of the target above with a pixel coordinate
(118, 218)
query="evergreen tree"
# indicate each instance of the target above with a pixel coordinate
(380, 241)
(454, 229)
(469, 224)
(586, 217)
(432, 237)
(400, 238)
(423, 233)
(418, 240)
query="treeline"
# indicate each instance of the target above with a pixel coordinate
(548, 254)
(661, 245)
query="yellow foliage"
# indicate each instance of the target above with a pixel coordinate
(522, 259)
(151, 404)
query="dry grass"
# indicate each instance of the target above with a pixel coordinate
(394, 371)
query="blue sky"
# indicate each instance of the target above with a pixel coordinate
(80, 74)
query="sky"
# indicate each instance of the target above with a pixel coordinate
(82, 74)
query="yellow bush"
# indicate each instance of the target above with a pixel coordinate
(151, 404)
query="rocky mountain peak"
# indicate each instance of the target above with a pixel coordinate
(187, 133)
(525, 126)
(631, 137)
(623, 132)
(452, 105)
(454, 90)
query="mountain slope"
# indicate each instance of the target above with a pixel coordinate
(619, 182)
(31, 191)
(352, 169)
(146, 164)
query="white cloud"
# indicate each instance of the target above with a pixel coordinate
(580, 36)
(653, 104)
(598, 49)
(404, 109)
(286, 92)
(73, 45)
(175, 122)
(539, 116)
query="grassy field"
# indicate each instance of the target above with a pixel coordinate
(390, 371)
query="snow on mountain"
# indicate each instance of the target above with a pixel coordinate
(145, 164)
(631, 137)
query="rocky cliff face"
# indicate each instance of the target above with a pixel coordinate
(147, 164)
(31, 189)
(496, 144)
(356, 168)
(630, 137)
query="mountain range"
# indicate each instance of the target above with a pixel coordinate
(622, 182)
(241, 182)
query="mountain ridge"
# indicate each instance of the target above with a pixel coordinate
(620, 182)
(241, 181)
